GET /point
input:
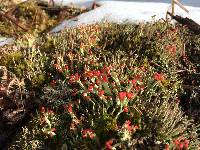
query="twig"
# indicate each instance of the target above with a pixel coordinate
(154, 64)
(181, 71)
(12, 20)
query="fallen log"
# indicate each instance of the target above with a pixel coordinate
(51, 8)
(191, 24)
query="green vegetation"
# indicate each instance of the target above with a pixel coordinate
(29, 17)
(110, 86)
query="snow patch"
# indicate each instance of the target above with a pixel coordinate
(126, 11)
(5, 41)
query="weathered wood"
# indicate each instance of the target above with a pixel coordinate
(51, 10)
(191, 24)
(180, 5)
(177, 2)
(172, 3)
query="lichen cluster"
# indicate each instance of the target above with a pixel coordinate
(110, 86)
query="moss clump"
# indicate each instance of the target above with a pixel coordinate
(30, 16)
(14, 62)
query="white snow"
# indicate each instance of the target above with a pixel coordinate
(121, 11)
(125, 11)
(4, 41)
(195, 3)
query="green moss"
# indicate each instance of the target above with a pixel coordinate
(33, 18)
(105, 127)
(38, 80)
(14, 62)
